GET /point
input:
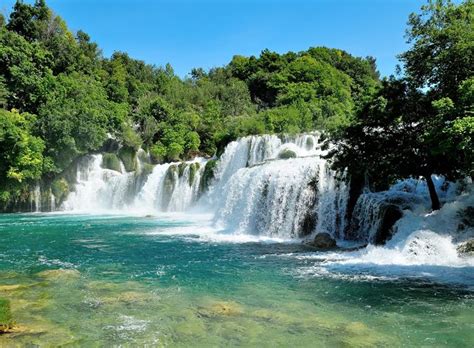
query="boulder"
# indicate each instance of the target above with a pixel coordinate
(110, 161)
(323, 241)
(466, 248)
(128, 156)
(286, 153)
(390, 214)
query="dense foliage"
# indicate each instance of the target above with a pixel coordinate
(60, 99)
(421, 123)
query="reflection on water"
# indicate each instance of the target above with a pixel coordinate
(91, 281)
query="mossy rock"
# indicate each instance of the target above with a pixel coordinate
(181, 167)
(286, 154)
(208, 175)
(111, 161)
(193, 169)
(169, 185)
(147, 168)
(60, 190)
(6, 320)
(309, 143)
(129, 158)
(323, 241)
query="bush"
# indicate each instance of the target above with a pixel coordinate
(158, 153)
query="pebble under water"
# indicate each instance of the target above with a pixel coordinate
(133, 280)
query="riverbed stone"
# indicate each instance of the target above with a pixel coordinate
(323, 241)
(54, 274)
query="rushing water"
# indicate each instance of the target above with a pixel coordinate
(171, 280)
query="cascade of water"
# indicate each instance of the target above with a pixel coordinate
(52, 202)
(169, 187)
(253, 150)
(265, 185)
(36, 199)
(371, 207)
(186, 188)
(152, 191)
(259, 192)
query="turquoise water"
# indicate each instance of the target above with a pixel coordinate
(117, 280)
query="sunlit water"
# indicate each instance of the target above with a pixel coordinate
(171, 280)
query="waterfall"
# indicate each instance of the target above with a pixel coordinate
(169, 187)
(252, 150)
(35, 201)
(278, 187)
(268, 185)
(372, 208)
(265, 185)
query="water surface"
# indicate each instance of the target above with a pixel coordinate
(127, 280)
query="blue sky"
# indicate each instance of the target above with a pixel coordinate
(207, 33)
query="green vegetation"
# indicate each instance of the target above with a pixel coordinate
(61, 99)
(422, 122)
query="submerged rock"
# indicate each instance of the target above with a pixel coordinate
(54, 274)
(466, 247)
(14, 287)
(323, 241)
(6, 321)
(221, 308)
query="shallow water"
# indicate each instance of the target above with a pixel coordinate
(129, 280)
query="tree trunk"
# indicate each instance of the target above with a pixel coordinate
(435, 205)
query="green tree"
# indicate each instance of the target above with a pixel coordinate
(21, 153)
(421, 124)
(77, 117)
